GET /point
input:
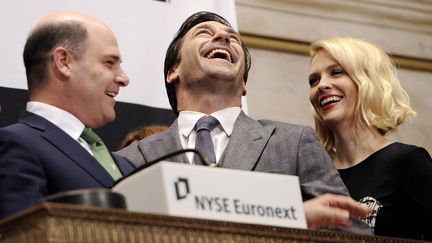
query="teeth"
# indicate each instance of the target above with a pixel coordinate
(330, 99)
(110, 93)
(224, 52)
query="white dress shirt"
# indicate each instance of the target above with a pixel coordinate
(220, 135)
(62, 119)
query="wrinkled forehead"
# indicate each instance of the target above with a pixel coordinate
(213, 25)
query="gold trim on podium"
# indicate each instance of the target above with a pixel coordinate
(52, 222)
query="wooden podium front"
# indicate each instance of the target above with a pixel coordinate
(52, 222)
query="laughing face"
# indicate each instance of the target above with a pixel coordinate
(333, 93)
(211, 58)
(97, 78)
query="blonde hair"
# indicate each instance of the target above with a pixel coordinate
(382, 102)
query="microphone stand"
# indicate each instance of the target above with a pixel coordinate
(204, 159)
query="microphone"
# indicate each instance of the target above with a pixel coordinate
(204, 159)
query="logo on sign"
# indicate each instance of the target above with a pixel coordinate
(181, 188)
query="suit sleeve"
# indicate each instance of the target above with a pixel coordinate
(133, 154)
(316, 170)
(318, 175)
(22, 180)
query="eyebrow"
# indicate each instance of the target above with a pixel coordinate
(115, 57)
(334, 65)
(328, 68)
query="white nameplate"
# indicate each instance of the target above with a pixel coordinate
(184, 190)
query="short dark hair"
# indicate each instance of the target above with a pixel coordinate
(70, 34)
(172, 56)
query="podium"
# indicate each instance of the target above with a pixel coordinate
(54, 222)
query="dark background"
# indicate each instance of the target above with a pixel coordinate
(128, 116)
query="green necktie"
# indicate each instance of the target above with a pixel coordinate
(101, 152)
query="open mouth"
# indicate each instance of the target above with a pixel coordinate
(219, 53)
(111, 94)
(329, 100)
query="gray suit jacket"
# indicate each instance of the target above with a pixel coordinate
(265, 146)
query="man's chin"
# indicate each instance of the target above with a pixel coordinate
(108, 118)
(223, 74)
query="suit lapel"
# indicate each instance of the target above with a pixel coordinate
(246, 143)
(69, 147)
(164, 144)
(123, 164)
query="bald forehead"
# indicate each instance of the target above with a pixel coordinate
(61, 17)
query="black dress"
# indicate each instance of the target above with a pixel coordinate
(397, 182)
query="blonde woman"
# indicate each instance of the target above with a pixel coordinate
(357, 99)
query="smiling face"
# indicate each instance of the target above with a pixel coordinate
(333, 93)
(96, 78)
(211, 59)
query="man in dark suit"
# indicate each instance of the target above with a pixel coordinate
(206, 69)
(73, 71)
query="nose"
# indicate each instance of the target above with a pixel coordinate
(324, 83)
(222, 36)
(122, 78)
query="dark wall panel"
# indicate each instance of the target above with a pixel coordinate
(128, 116)
(12, 103)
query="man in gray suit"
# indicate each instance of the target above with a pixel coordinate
(206, 68)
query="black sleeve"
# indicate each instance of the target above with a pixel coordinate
(415, 171)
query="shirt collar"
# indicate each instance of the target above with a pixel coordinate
(226, 118)
(61, 118)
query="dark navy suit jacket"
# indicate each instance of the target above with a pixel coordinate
(38, 159)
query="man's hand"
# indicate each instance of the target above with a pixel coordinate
(332, 209)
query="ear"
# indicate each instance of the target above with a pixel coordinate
(173, 75)
(244, 89)
(62, 60)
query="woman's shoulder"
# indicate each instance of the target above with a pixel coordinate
(406, 154)
(403, 148)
